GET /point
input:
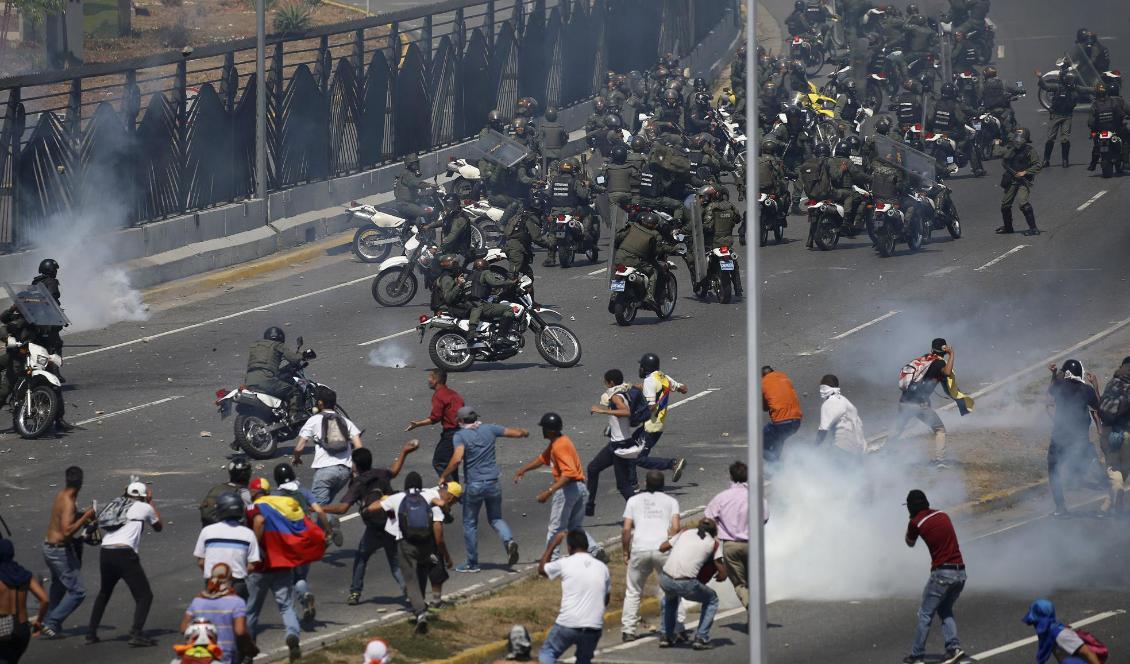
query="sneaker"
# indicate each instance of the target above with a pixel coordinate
(141, 641)
(422, 623)
(437, 603)
(953, 655)
(354, 599)
(683, 636)
(701, 644)
(468, 568)
(1061, 513)
(665, 642)
(628, 638)
(294, 653)
(680, 466)
(914, 659)
(49, 633)
(590, 510)
(511, 553)
(91, 639)
(939, 464)
(308, 608)
(601, 555)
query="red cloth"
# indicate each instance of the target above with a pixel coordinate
(936, 529)
(446, 402)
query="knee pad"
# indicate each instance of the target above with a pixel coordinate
(1026, 208)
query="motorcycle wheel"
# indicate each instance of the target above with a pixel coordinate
(914, 234)
(953, 225)
(765, 235)
(669, 296)
(566, 253)
(885, 241)
(559, 346)
(827, 235)
(464, 187)
(1108, 168)
(593, 253)
(449, 351)
(363, 247)
(385, 289)
(625, 313)
(252, 436)
(725, 288)
(478, 242)
(778, 233)
(813, 60)
(1045, 98)
(44, 411)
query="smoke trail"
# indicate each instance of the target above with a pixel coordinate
(389, 355)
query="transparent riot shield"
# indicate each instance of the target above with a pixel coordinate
(36, 304)
(697, 246)
(1084, 69)
(919, 165)
(947, 59)
(618, 217)
(500, 150)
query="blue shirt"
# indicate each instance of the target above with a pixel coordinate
(479, 464)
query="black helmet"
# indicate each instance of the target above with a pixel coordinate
(799, 5)
(649, 362)
(599, 105)
(770, 146)
(708, 191)
(917, 19)
(229, 506)
(551, 422)
(239, 469)
(619, 153)
(274, 333)
(671, 97)
(284, 472)
(821, 150)
(648, 219)
(1081, 35)
(700, 84)
(853, 144)
(551, 114)
(883, 124)
(452, 201)
(613, 121)
(989, 72)
(494, 120)
(49, 267)
(841, 150)
(640, 143)
(912, 9)
(949, 91)
(539, 199)
(520, 125)
(448, 262)
(702, 99)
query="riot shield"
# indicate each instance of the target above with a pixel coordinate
(697, 245)
(1084, 69)
(500, 150)
(618, 217)
(36, 304)
(919, 165)
(947, 59)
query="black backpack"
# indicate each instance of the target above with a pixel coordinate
(415, 518)
(374, 489)
(1115, 401)
(637, 406)
(208, 514)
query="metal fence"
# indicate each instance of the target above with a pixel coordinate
(174, 133)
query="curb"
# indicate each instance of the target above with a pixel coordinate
(1001, 499)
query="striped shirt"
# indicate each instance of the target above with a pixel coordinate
(227, 542)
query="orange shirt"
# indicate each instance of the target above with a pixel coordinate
(562, 458)
(779, 397)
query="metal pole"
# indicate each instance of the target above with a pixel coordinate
(757, 613)
(261, 106)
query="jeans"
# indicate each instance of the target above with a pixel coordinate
(561, 638)
(67, 591)
(329, 481)
(942, 590)
(416, 563)
(371, 540)
(775, 434)
(122, 564)
(641, 565)
(620, 466)
(445, 449)
(1073, 459)
(567, 512)
(691, 590)
(281, 583)
(476, 494)
(650, 439)
(735, 555)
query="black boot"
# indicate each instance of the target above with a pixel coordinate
(1030, 217)
(736, 280)
(1065, 149)
(1006, 217)
(1048, 153)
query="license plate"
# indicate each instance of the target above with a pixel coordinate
(559, 233)
(977, 126)
(617, 286)
(949, 160)
(726, 266)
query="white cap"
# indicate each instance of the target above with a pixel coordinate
(137, 490)
(377, 652)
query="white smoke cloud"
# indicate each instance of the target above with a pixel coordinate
(392, 356)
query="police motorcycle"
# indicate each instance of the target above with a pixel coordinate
(1110, 152)
(891, 225)
(965, 82)
(827, 220)
(720, 267)
(628, 286)
(36, 395)
(570, 234)
(262, 421)
(988, 127)
(938, 145)
(773, 218)
(396, 282)
(385, 225)
(467, 178)
(934, 217)
(808, 50)
(455, 347)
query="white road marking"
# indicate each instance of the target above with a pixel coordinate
(943, 270)
(869, 323)
(391, 336)
(129, 410)
(692, 398)
(1098, 617)
(258, 309)
(1025, 522)
(653, 639)
(1000, 258)
(595, 272)
(1086, 204)
(1000, 51)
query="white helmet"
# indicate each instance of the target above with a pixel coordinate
(201, 632)
(377, 652)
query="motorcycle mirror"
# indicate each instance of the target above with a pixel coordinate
(300, 342)
(309, 354)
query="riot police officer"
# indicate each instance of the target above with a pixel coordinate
(870, 147)
(700, 119)
(523, 230)
(671, 108)
(620, 176)
(407, 187)
(1106, 115)
(485, 283)
(720, 218)
(49, 277)
(553, 139)
(1062, 108)
(266, 359)
(639, 245)
(951, 117)
(569, 194)
(997, 98)
(456, 228)
(1021, 163)
(816, 182)
(907, 105)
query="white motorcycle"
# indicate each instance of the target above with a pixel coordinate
(454, 346)
(36, 397)
(396, 283)
(468, 178)
(384, 225)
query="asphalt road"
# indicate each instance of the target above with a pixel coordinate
(1002, 316)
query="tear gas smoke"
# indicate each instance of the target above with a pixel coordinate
(389, 355)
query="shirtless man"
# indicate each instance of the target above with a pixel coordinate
(62, 555)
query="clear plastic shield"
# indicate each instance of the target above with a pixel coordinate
(697, 245)
(36, 304)
(500, 150)
(618, 217)
(917, 164)
(947, 60)
(1084, 69)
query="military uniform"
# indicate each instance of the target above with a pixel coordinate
(950, 117)
(639, 247)
(1018, 157)
(484, 283)
(406, 191)
(521, 232)
(719, 221)
(995, 97)
(1063, 102)
(619, 181)
(456, 234)
(845, 175)
(553, 138)
(1107, 114)
(569, 195)
(264, 360)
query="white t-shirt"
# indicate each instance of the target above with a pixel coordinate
(620, 427)
(392, 505)
(585, 583)
(689, 554)
(839, 416)
(651, 515)
(1068, 641)
(138, 514)
(312, 431)
(227, 542)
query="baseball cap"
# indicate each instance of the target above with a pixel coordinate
(259, 484)
(136, 490)
(466, 413)
(454, 488)
(377, 652)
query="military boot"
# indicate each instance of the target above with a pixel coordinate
(1048, 153)
(550, 259)
(1030, 217)
(1065, 149)
(1006, 217)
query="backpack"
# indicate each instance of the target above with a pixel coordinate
(637, 406)
(670, 159)
(1096, 646)
(113, 515)
(814, 179)
(415, 517)
(208, 514)
(335, 439)
(1115, 401)
(913, 371)
(375, 489)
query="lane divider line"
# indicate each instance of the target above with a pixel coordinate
(1098, 617)
(258, 309)
(1000, 258)
(596, 272)
(693, 397)
(107, 416)
(1087, 203)
(869, 323)
(1000, 51)
(386, 338)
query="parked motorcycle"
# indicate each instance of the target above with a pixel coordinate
(720, 268)
(628, 291)
(889, 226)
(262, 420)
(1110, 152)
(808, 51)
(36, 398)
(454, 346)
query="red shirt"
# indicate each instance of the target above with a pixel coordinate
(446, 402)
(936, 529)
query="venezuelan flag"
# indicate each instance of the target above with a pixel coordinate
(290, 537)
(964, 402)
